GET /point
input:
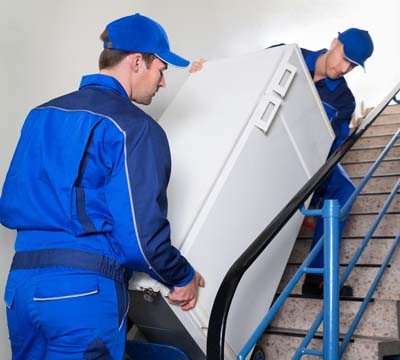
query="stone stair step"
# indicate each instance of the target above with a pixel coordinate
(281, 345)
(380, 319)
(386, 167)
(391, 109)
(360, 280)
(359, 224)
(372, 141)
(378, 333)
(370, 154)
(373, 202)
(378, 183)
(387, 119)
(374, 253)
(381, 130)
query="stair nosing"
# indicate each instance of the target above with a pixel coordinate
(374, 147)
(374, 213)
(388, 114)
(390, 123)
(370, 161)
(373, 193)
(349, 238)
(297, 333)
(284, 331)
(356, 299)
(375, 176)
(380, 135)
(366, 161)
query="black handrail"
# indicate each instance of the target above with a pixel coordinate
(227, 289)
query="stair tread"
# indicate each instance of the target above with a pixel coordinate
(360, 280)
(293, 332)
(279, 347)
(394, 159)
(380, 318)
(371, 136)
(396, 174)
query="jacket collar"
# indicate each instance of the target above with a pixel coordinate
(103, 81)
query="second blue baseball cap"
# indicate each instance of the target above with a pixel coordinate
(138, 33)
(357, 45)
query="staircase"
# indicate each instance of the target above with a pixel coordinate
(378, 334)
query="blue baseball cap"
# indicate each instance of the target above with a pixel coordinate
(138, 33)
(357, 45)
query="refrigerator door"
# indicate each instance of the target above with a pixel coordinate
(245, 134)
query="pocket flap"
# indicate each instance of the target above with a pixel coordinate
(65, 286)
(9, 296)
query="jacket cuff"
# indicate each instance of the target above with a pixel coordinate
(187, 279)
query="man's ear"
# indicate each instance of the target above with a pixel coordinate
(335, 43)
(135, 61)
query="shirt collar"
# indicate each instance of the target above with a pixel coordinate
(311, 60)
(103, 81)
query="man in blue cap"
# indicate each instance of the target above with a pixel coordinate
(86, 190)
(327, 68)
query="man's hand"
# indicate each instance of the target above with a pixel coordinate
(196, 65)
(186, 296)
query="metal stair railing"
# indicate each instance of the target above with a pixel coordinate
(226, 291)
(328, 341)
(331, 214)
(330, 242)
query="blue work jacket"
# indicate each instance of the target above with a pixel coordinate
(90, 172)
(337, 98)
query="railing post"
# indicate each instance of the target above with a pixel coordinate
(331, 214)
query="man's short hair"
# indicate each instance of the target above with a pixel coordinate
(109, 57)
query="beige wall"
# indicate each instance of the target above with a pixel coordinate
(47, 45)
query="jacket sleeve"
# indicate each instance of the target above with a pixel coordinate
(345, 106)
(137, 199)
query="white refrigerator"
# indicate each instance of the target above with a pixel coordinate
(245, 133)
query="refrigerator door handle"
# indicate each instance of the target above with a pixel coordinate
(266, 111)
(283, 78)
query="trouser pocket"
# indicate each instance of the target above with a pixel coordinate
(79, 313)
(12, 317)
(66, 287)
(64, 303)
(20, 327)
(9, 296)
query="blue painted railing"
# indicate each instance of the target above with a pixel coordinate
(332, 213)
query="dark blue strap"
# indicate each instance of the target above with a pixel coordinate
(69, 258)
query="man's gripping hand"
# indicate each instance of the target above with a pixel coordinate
(196, 66)
(186, 296)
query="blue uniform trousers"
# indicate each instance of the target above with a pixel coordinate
(337, 186)
(61, 312)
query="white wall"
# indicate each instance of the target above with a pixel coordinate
(227, 27)
(47, 45)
